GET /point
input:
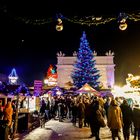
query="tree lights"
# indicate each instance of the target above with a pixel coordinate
(84, 68)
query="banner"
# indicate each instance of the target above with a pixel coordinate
(37, 87)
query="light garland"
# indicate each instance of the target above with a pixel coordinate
(90, 20)
(34, 21)
(85, 20)
(134, 17)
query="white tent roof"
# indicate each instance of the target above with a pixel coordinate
(87, 88)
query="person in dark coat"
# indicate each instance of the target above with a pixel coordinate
(94, 123)
(1, 113)
(87, 113)
(47, 110)
(74, 112)
(81, 113)
(106, 106)
(42, 114)
(60, 111)
(14, 109)
(43, 107)
(136, 121)
(127, 119)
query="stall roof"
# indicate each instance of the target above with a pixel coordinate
(87, 88)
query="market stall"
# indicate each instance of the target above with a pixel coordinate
(28, 113)
(87, 89)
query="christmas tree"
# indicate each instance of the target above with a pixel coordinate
(84, 68)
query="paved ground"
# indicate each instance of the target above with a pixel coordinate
(55, 130)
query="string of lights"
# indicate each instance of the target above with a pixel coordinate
(86, 20)
(134, 16)
(34, 21)
(90, 20)
(121, 18)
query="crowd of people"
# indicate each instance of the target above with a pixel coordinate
(85, 111)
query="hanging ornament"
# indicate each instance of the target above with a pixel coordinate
(59, 21)
(123, 26)
(122, 21)
(59, 26)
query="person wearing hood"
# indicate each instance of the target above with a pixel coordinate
(115, 119)
(8, 112)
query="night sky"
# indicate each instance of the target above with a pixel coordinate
(32, 48)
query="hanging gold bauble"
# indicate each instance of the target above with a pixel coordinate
(123, 20)
(59, 27)
(123, 26)
(59, 21)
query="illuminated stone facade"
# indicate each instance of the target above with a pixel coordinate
(104, 64)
